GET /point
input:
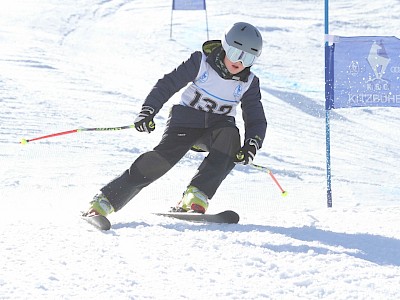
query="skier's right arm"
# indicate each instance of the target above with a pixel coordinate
(172, 82)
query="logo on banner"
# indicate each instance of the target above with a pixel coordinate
(378, 60)
(354, 68)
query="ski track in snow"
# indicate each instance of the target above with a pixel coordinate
(91, 63)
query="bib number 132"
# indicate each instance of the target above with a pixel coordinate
(208, 105)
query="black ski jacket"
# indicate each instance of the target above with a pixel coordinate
(183, 116)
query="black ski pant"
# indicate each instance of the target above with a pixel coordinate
(222, 143)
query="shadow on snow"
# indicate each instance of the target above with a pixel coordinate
(373, 248)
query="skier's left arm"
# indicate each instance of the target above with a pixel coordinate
(254, 121)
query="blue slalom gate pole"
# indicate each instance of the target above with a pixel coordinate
(328, 91)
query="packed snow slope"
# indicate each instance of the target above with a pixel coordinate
(71, 64)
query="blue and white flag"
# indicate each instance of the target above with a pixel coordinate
(364, 71)
(188, 4)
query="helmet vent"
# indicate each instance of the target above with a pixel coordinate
(236, 42)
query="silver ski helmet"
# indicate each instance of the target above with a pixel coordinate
(242, 42)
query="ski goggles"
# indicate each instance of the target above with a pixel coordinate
(235, 55)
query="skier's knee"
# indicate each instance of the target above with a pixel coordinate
(150, 165)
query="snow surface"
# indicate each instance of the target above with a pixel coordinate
(87, 63)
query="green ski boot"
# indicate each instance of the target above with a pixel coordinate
(100, 206)
(194, 200)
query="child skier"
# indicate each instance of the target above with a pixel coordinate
(204, 120)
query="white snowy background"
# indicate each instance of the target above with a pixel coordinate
(90, 63)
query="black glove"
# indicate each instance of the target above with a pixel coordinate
(247, 153)
(144, 121)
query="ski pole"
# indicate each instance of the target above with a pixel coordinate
(25, 141)
(262, 168)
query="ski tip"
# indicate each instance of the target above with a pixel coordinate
(231, 216)
(98, 221)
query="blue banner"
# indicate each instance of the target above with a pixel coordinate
(189, 4)
(365, 72)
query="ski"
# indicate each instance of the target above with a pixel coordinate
(98, 221)
(225, 217)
